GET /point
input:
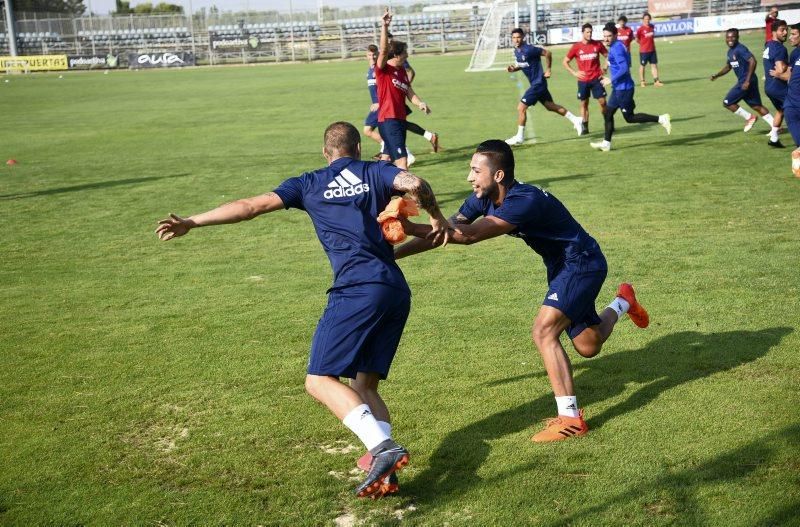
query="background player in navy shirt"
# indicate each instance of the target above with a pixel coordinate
(742, 62)
(529, 60)
(791, 105)
(619, 65)
(371, 121)
(776, 58)
(369, 301)
(576, 270)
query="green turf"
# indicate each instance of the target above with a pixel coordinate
(162, 383)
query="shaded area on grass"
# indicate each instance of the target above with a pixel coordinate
(663, 364)
(89, 186)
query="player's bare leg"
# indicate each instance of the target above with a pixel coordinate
(744, 114)
(796, 163)
(602, 102)
(774, 138)
(765, 115)
(654, 71)
(560, 110)
(373, 134)
(641, 76)
(522, 120)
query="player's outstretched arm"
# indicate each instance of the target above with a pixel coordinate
(233, 212)
(420, 245)
(721, 72)
(421, 191)
(483, 229)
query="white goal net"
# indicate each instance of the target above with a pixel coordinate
(493, 47)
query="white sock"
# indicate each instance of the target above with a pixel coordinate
(768, 119)
(567, 405)
(773, 134)
(572, 117)
(408, 151)
(363, 424)
(620, 306)
(744, 114)
(662, 119)
(427, 135)
(386, 427)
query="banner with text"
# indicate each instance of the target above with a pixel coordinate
(224, 44)
(89, 62)
(669, 7)
(681, 26)
(708, 24)
(34, 63)
(160, 60)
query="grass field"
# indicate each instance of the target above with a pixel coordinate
(144, 383)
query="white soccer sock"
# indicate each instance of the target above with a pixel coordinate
(773, 134)
(363, 424)
(620, 306)
(521, 131)
(427, 135)
(567, 405)
(744, 114)
(768, 119)
(572, 117)
(386, 427)
(662, 119)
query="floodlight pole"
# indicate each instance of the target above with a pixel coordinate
(534, 11)
(91, 28)
(191, 27)
(12, 33)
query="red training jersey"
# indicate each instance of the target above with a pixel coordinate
(768, 29)
(588, 56)
(646, 37)
(392, 89)
(625, 35)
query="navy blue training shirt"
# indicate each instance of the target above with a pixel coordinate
(372, 84)
(738, 57)
(343, 201)
(529, 58)
(775, 51)
(542, 222)
(793, 92)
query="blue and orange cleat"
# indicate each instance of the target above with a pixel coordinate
(637, 313)
(383, 465)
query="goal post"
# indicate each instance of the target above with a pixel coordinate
(493, 45)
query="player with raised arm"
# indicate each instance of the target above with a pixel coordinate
(791, 105)
(529, 60)
(369, 301)
(587, 54)
(394, 88)
(619, 64)
(646, 38)
(576, 270)
(742, 62)
(772, 17)
(776, 58)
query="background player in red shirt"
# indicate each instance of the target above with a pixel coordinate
(587, 54)
(646, 37)
(772, 16)
(624, 33)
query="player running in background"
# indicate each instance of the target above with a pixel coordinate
(791, 105)
(772, 16)
(369, 301)
(624, 33)
(576, 270)
(371, 122)
(619, 65)
(776, 58)
(587, 54)
(529, 60)
(646, 37)
(743, 64)
(393, 89)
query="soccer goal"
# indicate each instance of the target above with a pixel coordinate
(493, 47)
(12, 66)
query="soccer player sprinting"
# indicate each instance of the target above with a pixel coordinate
(529, 60)
(393, 89)
(791, 105)
(369, 301)
(646, 37)
(371, 121)
(619, 65)
(576, 270)
(624, 33)
(743, 64)
(776, 58)
(587, 54)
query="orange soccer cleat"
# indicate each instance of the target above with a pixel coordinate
(562, 427)
(637, 313)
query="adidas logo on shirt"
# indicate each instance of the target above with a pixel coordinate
(554, 296)
(344, 185)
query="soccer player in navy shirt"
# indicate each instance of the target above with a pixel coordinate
(619, 64)
(776, 58)
(742, 62)
(369, 301)
(528, 59)
(576, 270)
(791, 105)
(371, 121)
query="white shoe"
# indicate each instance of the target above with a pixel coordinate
(578, 126)
(601, 145)
(516, 140)
(667, 124)
(750, 123)
(410, 158)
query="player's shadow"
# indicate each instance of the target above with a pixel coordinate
(687, 140)
(88, 186)
(663, 364)
(669, 82)
(680, 494)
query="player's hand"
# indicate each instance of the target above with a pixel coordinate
(605, 81)
(173, 227)
(408, 226)
(387, 18)
(713, 77)
(547, 74)
(441, 230)
(582, 76)
(374, 107)
(745, 85)
(423, 107)
(510, 69)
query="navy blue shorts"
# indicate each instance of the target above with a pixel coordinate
(595, 86)
(751, 96)
(622, 99)
(393, 133)
(650, 57)
(791, 116)
(776, 99)
(574, 289)
(359, 331)
(536, 94)
(372, 119)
